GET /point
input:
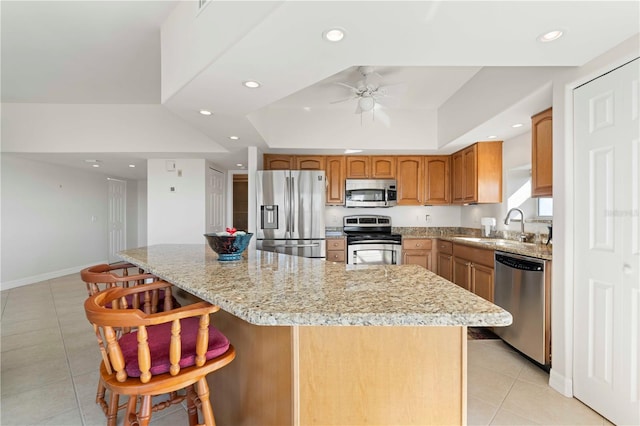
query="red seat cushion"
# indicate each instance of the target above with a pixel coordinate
(159, 338)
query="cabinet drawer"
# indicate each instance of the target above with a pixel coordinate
(445, 247)
(474, 255)
(336, 244)
(416, 244)
(335, 255)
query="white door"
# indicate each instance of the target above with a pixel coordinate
(607, 287)
(215, 201)
(117, 218)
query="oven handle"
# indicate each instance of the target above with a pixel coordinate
(364, 242)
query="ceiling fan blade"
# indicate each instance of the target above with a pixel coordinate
(348, 86)
(379, 114)
(343, 100)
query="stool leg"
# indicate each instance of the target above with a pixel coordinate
(192, 410)
(145, 410)
(205, 404)
(112, 410)
(131, 415)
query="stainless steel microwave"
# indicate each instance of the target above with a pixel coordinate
(370, 193)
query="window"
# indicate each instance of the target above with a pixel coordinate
(545, 207)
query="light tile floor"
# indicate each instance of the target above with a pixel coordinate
(49, 362)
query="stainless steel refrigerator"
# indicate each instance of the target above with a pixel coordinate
(291, 212)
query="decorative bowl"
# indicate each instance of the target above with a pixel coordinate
(228, 247)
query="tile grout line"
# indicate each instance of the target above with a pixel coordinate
(515, 379)
(66, 352)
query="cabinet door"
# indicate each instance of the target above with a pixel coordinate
(436, 181)
(457, 177)
(335, 171)
(417, 257)
(470, 175)
(462, 273)
(410, 180)
(542, 154)
(309, 162)
(278, 162)
(445, 266)
(383, 167)
(482, 281)
(357, 167)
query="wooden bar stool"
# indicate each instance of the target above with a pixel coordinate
(167, 352)
(101, 277)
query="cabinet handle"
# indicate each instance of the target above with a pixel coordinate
(418, 245)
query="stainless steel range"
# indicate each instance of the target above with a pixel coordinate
(370, 241)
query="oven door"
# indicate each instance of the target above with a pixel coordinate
(374, 254)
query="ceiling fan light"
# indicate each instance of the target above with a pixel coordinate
(366, 103)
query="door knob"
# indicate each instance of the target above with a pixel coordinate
(627, 269)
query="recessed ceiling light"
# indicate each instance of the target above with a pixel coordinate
(306, 108)
(550, 36)
(234, 138)
(95, 165)
(239, 165)
(205, 112)
(251, 84)
(333, 34)
(132, 165)
(491, 137)
(352, 151)
(515, 126)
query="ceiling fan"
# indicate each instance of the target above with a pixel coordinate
(370, 93)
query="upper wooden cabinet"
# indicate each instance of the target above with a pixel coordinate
(410, 180)
(278, 162)
(437, 171)
(335, 173)
(371, 167)
(309, 162)
(357, 167)
(383, 167)
(542, 154)
(476, 173)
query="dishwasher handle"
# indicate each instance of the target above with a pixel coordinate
(519, 262)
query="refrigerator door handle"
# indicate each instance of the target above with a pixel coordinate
(292, 245)
(292, 226)
(287, 204)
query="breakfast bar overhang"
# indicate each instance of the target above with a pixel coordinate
(323, 343)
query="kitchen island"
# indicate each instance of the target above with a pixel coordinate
(323, 343)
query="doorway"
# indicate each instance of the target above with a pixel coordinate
(241, 201)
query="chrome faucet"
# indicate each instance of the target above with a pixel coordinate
(523, 236)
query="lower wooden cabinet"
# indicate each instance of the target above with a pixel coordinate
(417, 251)
(444, 250)
(336, 249)
(473, 270)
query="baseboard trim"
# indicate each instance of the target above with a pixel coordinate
(8, 285)
(560, 383)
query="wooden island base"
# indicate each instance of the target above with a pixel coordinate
(341, 375)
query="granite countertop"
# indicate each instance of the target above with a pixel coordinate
(276, 289)
(540, 251)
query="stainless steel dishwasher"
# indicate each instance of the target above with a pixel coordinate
(521, 289)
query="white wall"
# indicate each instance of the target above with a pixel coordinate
(401, 216)
(141, 201)
(47, 229)
(491, 91)
(176, 217)
(99, 128)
